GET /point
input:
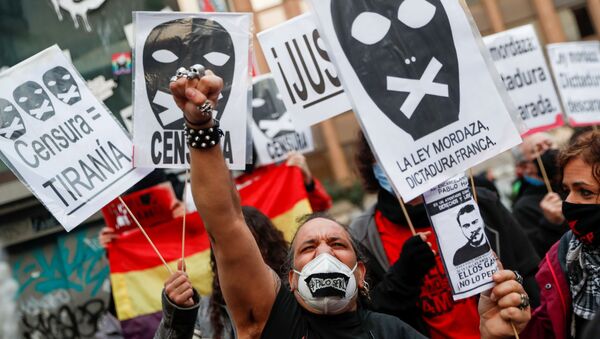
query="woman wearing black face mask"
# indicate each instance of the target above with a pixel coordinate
(569, 275)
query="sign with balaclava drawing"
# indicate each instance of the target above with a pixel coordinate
(520, 62)
(308, 82)
(60, 141)
(164, 43)
(420, 86)
(576, 69)
(273, 132)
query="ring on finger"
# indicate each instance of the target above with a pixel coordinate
(518, 277)
(206, 108)
(524, 301)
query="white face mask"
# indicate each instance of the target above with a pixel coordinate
(326, 284)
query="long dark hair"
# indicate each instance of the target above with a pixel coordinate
(364, 160)
(273, 248)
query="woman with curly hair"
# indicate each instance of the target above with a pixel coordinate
(569, 274)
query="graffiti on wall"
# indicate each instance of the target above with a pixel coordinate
(77, 9)
(64, 286)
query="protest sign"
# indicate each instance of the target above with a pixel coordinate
(60, 141)
(420, 87)
(150, 206)
(307, 80)
(273, 131)
(168, 41)
(576, 68)
(520, 61)
(459, 228)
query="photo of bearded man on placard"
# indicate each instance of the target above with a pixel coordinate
(471, 226)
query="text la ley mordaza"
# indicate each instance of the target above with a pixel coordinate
(103, 163)
(468, 138)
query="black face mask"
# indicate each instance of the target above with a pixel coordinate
(584, 221)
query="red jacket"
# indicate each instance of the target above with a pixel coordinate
(552, 319)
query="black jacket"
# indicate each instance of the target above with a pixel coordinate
(392, 295)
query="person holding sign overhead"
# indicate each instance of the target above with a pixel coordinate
(326, 268)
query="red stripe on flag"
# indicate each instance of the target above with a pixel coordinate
(132, 252)
(273, 189)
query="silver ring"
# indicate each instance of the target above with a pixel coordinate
(518, 277)
(205, 108)
(173, 78)
(196, 71)
(524, 301)
(181, 72)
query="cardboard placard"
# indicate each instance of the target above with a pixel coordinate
(60, 141)
(307, 80)
(420, 86)
(273, 131)
(576, 68)
(520, 61)
(168, 41)
(459, 228)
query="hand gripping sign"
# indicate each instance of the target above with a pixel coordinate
(576, 68)
(420, 87)
(164, 43)
(519, 59)
(307, 80)
(274, 133)
(459, 228)
(60, 141)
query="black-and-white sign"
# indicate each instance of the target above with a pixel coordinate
(273, 131)
(168, 41)
(520, 61)
(60, 141)
(576, 68)
(420, 86)
(459, 228)
(307, 80)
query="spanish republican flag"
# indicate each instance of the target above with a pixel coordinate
(137, 274)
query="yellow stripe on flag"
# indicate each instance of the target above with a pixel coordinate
(287, 223)
(138, 301)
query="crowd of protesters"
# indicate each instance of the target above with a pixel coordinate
(394, 283)
(384, 282)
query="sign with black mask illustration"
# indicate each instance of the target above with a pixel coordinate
(11, 123)
(422, 86)
(61, 83)
(411, 78)
(166, 42)
(184, 43)
(34, 100)
(60, 141)
(273, 131)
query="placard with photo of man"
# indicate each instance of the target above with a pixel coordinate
(459, 227)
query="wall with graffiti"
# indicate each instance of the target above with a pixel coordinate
(63, 285)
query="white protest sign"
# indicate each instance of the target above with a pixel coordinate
(420, 87)
(307, 80)
(60, 141)
(459, 228)
(576, 68)
(519, 59)
(273, 131)
(167, 41)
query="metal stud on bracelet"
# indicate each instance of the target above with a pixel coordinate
(203, 138)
